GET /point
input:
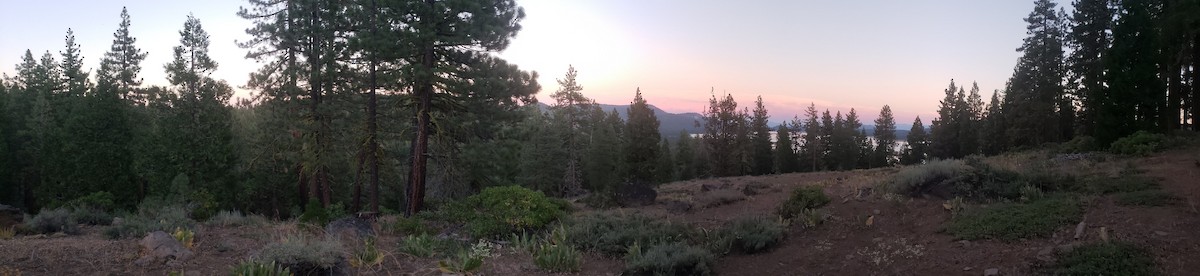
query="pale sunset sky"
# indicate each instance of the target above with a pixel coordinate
(836, 54)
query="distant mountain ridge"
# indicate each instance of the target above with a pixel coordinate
(670, 124)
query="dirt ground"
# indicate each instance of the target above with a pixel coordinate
(905, 237)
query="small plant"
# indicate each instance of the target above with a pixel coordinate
(751, 235)
(669, 259)
(1031, 193)
(557, 258)
(955, 206)
(236, 218)
(524, 241)
(368, 255)
(465, 262)
(802, 198)
(7, 233)
(500, 211)
(410, 226)
(611, 234)
(9, 271)
(1109, 258)
(253, 268)
(152, 216)
(423, 246)
(305, 255)
(91, 216)
(1016, 221)
(811, 218)
(51, 221)
(184, 236)
(314, 213)
(1146, 198)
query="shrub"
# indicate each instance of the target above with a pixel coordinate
(51, 221)
(613, 234)
(750, 235)
(1079, 144)
(410, 226)
(463, 263)
(185, 237)
(500, 211)
(91, 216)
(1139, 143)
(253, 268)
(314, 213)
(971, 178)
(802, 198)
(1146, 198)
(1016, 221)
(1105, 259)
(669, 259)
(305, 255)
(425, 246)
(1120, 184)
(236, 218)
(149, 218)
(100, 201)
(922, 179)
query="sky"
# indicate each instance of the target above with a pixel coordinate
(837, 55)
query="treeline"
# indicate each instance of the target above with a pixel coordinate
(1107, 70)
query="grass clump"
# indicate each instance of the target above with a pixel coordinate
(500, 211)
(801, 199)
(613, 234)
(410, 226)
(467, 261)
(1011, 222)
(51, 221)
(425, 246)
(305, 255)
(1114, 258)
(253, 268)
(553, 254)
(1146, 198)
(749, 235)
(7, 233)
(923, 179)
(675, 258)
(368, 255)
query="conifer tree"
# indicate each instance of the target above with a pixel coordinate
(1036, 96)
(77, 81)
(786, 160)
(121, 64)
(763, 159)
(885, 138)
(665, 168)
(641, 141)
(570, 107)
(918, 144)
(1089, 39)
(723, 125)
(992, 134)
(1136, 93)
(685, 156)
(813, 148)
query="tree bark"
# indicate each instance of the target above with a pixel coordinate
(372, 119)
(424, 96)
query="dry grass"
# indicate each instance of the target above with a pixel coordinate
(7, 233)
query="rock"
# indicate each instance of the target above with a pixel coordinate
(58, 235)
(118, 221)
(754, 188)
(707, 187)
(1047, 251)
(1103, 233)
(876, 211)
(967, 268)
(635, 194)
(1079, 230)
(991, 272)
(350, 227)
(159, 247)
(1160, 233)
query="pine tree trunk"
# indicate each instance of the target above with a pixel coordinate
(420, 143)
(1195, 80)
(372, 120)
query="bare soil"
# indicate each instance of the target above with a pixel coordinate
(905, 237)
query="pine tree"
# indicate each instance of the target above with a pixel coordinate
(786, 160)
(1036, 96)
(1136, 93)
(885, 138)
(641, 141)
(571, 106)
(665, 168)
(121, 64)
(1089, 40)
(604, 154)
(945, 141)
(722, 127)
(969, 117)
(685, 156)
(77, 81)
(918, 144)
(992, 134)
(813, 148)
(760, 140)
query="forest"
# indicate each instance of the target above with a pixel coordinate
(372, 106)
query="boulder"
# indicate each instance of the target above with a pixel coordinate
(350, 227)
(159, 247)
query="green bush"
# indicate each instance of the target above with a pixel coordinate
(669, 259)
(50, 221)
(1079, 144)
(613, 234)
(974, 179)
(149, 218)
(252, 268)
(802, 198)
(500, 211)
(101, 201)
(1011, 222)
(1139, 143)
(314, 213)
(1146, 198)
(749, 235)
(922, 179)
(410, 226)
(1114, 258)
(306, 255)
